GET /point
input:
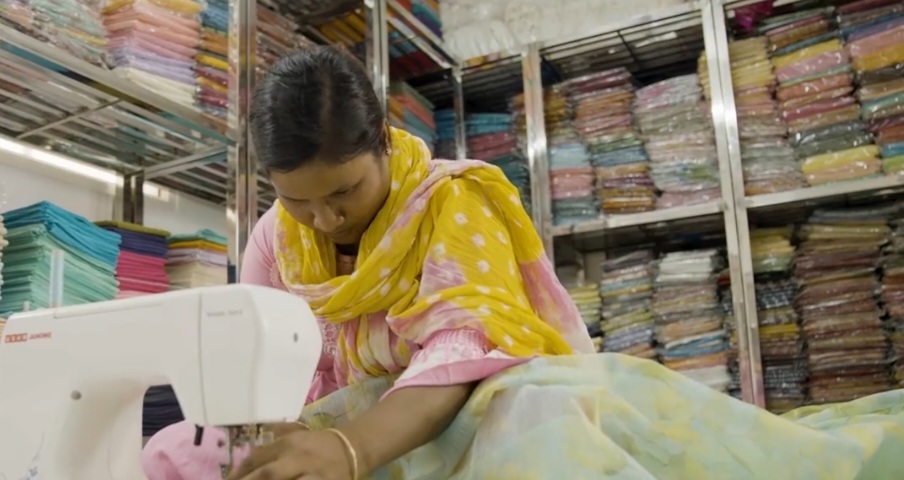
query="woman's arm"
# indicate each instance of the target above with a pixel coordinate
(406, 419)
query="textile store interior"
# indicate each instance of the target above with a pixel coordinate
(719, 183)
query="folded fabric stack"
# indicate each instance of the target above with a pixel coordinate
(3, 243)
(816, 99)
(781, 342)
(490, 135)
(17, 14)
(893, 295)
(445, 134)
(587, 299)
(602, 116)
(491, 138)
(847, 349)
(404, 55)
(874, 31)
(626, 289)
(688, 317)
(427, 11)
(212, 69)
(679, 139)
(767, 157)
(416, 112)
(141, 268)
(90, 255)
(571, 174)
(75, 26)
(277, 35)
(731, 333)
(154, 44)
(197, 260)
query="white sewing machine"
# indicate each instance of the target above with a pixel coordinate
(72, 380)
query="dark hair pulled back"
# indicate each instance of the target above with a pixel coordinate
(319, 104)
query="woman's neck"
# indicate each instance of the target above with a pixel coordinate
(347, 250)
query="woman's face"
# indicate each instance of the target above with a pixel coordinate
(338, 199)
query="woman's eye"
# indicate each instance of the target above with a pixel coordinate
(341, 193)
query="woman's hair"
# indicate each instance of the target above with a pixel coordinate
(317, 103)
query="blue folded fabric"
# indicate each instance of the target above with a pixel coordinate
(69, 229)
(142, 244)
(203, 234)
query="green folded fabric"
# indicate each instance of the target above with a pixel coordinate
(132, 227)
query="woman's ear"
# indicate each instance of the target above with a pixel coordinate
(387, 137)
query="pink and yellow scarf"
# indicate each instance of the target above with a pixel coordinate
(451, 248)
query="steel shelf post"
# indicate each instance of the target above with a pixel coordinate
(133, 198)
(241, 203)
(541, 206)
(458, 107)
(378, 48)
(737, 229)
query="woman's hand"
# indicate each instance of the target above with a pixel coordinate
(297, 454)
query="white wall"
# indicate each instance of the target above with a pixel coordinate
(24, 182)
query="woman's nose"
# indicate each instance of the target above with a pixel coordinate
(327, 220)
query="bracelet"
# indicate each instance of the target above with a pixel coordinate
(349, 449)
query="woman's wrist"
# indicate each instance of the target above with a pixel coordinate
(403, 421)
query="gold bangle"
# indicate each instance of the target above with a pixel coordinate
(349, 449)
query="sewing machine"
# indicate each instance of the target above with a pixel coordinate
(72, 379)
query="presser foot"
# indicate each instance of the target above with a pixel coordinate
(240, 437)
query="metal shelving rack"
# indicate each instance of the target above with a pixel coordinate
(641, 44)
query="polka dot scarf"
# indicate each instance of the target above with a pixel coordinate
(446, 251)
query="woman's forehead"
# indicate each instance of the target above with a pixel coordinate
(319, 179)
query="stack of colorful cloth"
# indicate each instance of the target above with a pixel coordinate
(731, 333)
(427, 11)
(141, 268)
(416, 112)
(781, 342)
(277, 35)
(626, 289)
(155, 44)
(847, 348)
(767, 158)
(90, 255)
(893, 295)
(75, 26)
(679, 139)
(874, 31)
(3, 243)
(815, 95)
(197, 260)
(490, 135)
(445, 134)
(688, 317)
(212, 69)
(17, 14)
(587, 299)
(571, 176)
(601, 104)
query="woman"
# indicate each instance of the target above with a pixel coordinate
(451, 350)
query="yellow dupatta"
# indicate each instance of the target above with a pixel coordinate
(463, 218)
